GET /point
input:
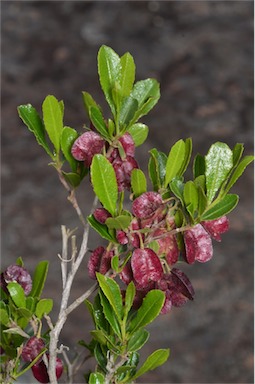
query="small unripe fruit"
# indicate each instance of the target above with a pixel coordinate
(216, 227)
(40, 371)
(101, 215)
(128, 144)
(20, 275)
(86, 146)
(32, 348)
(146, 204)
(146, 266)
(198, 245)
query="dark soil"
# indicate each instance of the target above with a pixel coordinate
(202, 54)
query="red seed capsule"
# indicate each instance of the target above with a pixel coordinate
(146, 266)
(146, 204)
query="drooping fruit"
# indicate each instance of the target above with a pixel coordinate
(101, 215)
(32, 348)
(216, 227)
(128, 144)
(20, 275)
(146, 204)
(40, 371)
(198, 245)
(146, 266)
(86, 146)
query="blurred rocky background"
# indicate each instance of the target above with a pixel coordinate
(202, 54)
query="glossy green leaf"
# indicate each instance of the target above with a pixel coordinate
(112, 292)
(99, 336)
(98, 313)
(190, 195)
(137, 340)
(157, 168)
(175, 160)
(238, 172)
(98, 121)
(187, 156)
(202, 200)
(127, 74)
(20, 262)
(226, 205)
(138, 182)
(34, 123)
(43, 307)
(96, 378)
(198, 166)
(100, 228)
(53, 120)
(128, 110)
(237, 153)
(104, 182)
(25, 313)
(118, 222)
(218, 163)
(156, 359)
(149, 310)
(68, 137)
(139, 133)
(72, 178)
(100, 356)
(147, 93)
(129, 297)
(4, 318)
(110, 314)
(89, 102)
(39, 278)
(30, 303)
(109, 70)
(17, 294)
(177, 187)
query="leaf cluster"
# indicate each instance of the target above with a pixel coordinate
(20, 315)
(120, 333)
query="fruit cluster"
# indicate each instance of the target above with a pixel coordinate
(155, 245)
(120, 153)
(31, 350)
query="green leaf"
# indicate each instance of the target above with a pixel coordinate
(157, 168)
(30, 117)
(20, 262)
(187, 155)
(39, 278)
(127, 74)
(237, 153)
(53, 120)
(96, 378)
(30, 303)
(138, 182)
(139, 133)
(25, 313)
(99, 336)
(110, 314)
(68, 137)
(156, 359)
(129, 297)
(177, 187)
(4, 318)
(223, 207)
(149, 310)
(112, 292)
(202, 200)
(175, 160)
(104, 182)
(17, 294)
(102, 229)
(238, 172)
(43, 307)
(147, 93)
(118, 222)
(198, 166)
(74, 179)
(218, 163)
(98, 314)
(109, 70)
(98, 121)
(89, 102)
(128, 110)
(137, 340)
(190, 195)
